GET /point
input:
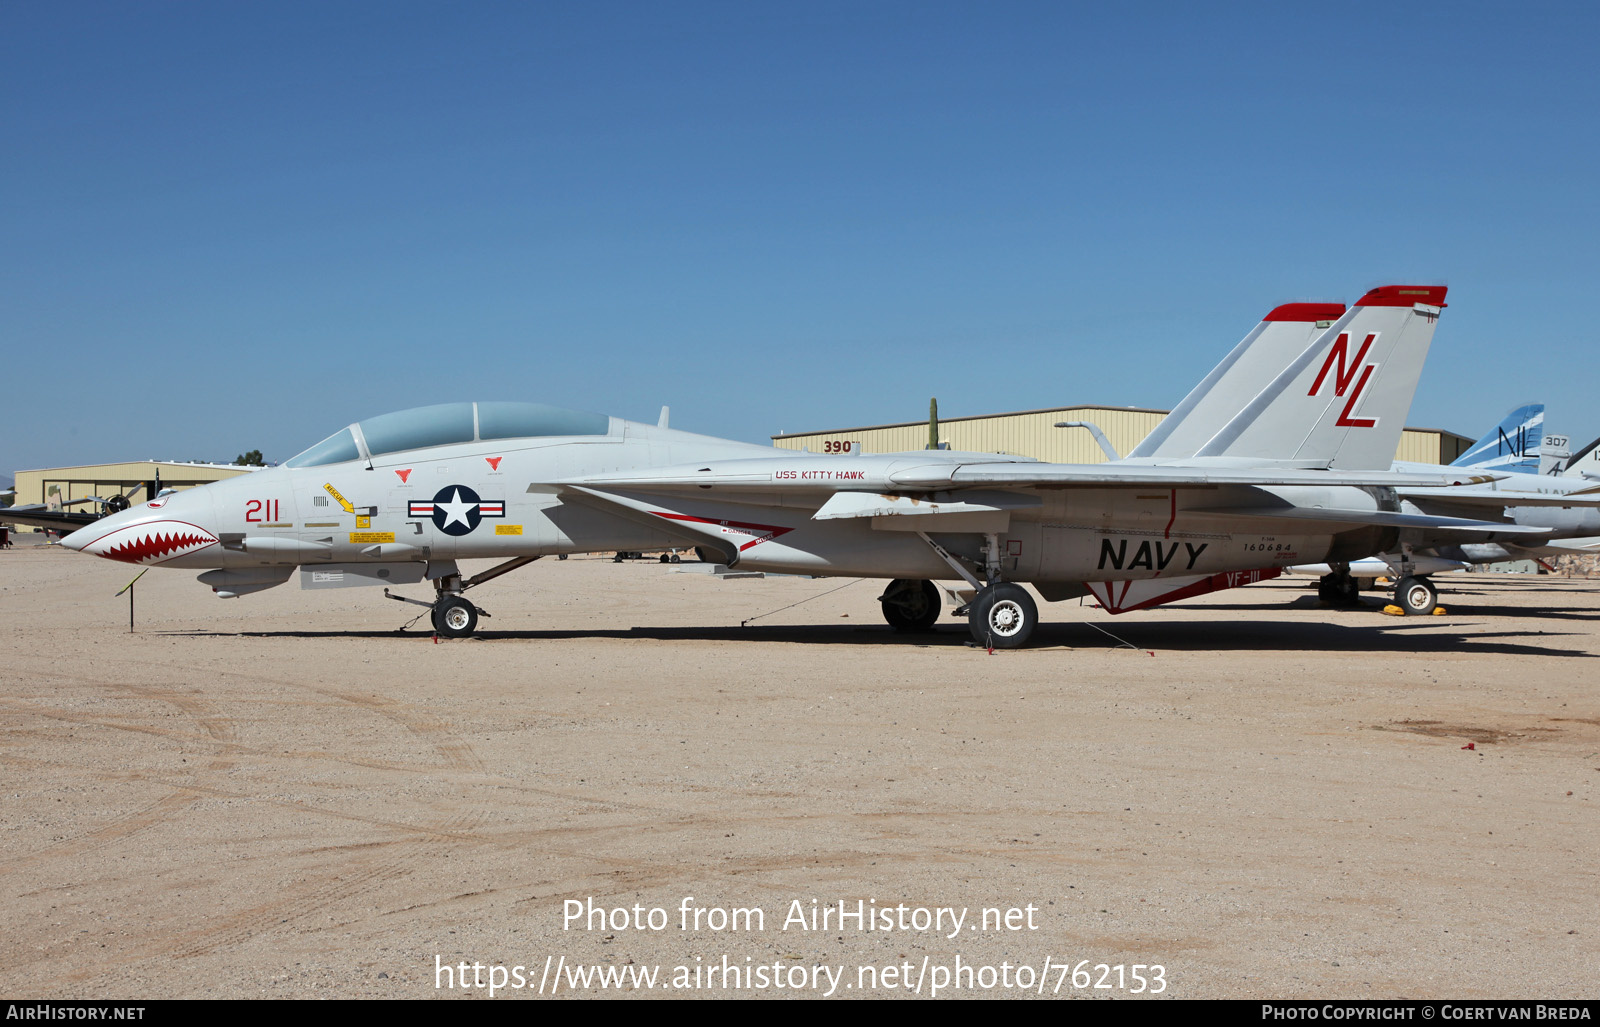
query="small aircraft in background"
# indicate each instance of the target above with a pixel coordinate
(1292, 471)
(58, 522)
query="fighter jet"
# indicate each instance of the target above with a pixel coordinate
(1565, 509)
(1297, 471)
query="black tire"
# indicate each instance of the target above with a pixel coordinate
(1416, 596)
(676, 558)
(1003, 616)
(665, 558)
(454, 617)
(1339, 590)
(911, 605)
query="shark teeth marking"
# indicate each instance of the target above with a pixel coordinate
(152, 543)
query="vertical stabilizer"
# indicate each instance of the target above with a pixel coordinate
(1342, 403)
(1254, 363)
(1512, 445)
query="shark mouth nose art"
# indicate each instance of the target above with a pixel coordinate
(150, 543)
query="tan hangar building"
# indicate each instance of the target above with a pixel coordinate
(69, 484)
(1033, 433)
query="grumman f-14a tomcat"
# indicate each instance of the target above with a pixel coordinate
(1297, 472)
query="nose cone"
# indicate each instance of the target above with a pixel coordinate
(146, 535)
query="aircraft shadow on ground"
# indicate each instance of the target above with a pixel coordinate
(1395, 635)
(1473, 604)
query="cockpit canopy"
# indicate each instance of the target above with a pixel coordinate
(445, 424)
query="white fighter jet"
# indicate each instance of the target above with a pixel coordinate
(1297, 471)
(1530, 494)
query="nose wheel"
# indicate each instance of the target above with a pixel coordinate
(1003, 616)
(454, 617)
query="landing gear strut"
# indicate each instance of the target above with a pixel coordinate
(453, 616)
(1002, 615)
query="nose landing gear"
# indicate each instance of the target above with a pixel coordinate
(454, 617)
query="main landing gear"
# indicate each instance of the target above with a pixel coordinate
(1413, 592)
(1339, 589)
(910, 605)
(1001, 616)
(1417, 596)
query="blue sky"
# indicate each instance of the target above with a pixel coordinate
(237, 226)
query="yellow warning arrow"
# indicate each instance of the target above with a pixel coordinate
(342, 501)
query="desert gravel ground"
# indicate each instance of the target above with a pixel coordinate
(285, 796)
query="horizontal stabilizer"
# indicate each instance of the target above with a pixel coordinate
(1505, 497)
(1564, 547)
(1306, 517)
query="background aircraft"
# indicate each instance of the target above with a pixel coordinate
(1299, 470)
(1529, 495)
(59, 521)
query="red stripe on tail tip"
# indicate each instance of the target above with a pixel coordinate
(1404, 296)
(1306, 312)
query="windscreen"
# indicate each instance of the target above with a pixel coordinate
(334, 449)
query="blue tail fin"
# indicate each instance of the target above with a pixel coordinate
(1513, 444)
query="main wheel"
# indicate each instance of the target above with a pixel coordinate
(910, 605)
(454, 617)
(1339, 589)
(1003, 616)
(1416, 596)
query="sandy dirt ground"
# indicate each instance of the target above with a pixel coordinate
(286, 796)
